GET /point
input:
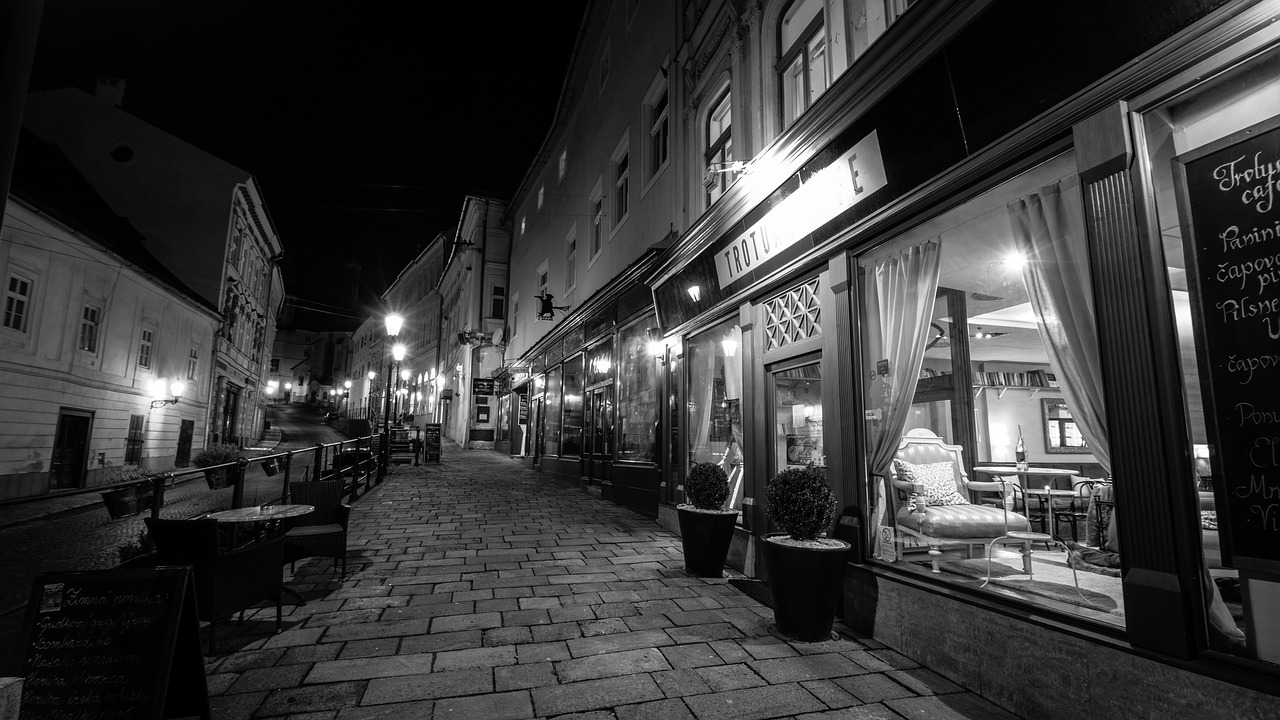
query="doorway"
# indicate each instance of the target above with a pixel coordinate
(598, 453)
(70, 450)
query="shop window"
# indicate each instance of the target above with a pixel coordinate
(957, 356)
(1214, 158)
(571, 425)
(802, 50)
(637, 394)
(714, 393)
(551, 414)
(719, 143)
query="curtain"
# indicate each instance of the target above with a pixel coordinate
(899, 296)
(1048, 227)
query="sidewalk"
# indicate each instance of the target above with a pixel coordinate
(479, 589)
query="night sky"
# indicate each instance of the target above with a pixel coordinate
(365, 123)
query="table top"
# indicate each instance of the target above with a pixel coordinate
(1010, 470)
(1055, 492)
(261, 514)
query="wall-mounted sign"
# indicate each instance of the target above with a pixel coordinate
(524, 409)
(482, 386)
(482, 414)
(853, 177)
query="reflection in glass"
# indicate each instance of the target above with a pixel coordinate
(637, 395)
(551, 414)
(715, 403)
(797, 417)
(571, 442)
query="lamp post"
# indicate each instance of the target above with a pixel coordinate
(394, 323)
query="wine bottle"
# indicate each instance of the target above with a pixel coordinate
(1020, 451)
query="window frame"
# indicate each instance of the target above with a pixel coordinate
(800, 48)
(13, 298)
(90, 333)
(497, 301)
(571, 259)
(720, 150)
(657, 139)
(596, 215)
(146, 347)
(620, 182)
(135, 440)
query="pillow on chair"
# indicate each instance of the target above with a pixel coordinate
(938, 480)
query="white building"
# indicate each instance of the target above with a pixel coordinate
(105, 355)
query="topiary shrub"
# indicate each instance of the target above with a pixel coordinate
(707, 486)
(800, 502)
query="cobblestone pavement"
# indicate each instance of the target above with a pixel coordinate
(75, 532)
(479, 589)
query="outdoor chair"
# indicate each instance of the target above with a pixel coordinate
(322, 533)
(226, 581)
(933, 470)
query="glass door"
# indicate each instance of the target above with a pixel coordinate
(599, 440)
(796, 399)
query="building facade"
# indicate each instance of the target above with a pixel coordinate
(203, 218)
(105, 355)
(1033, 238)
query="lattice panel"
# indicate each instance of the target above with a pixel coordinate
(792, 316)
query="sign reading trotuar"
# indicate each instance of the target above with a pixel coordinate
(1229, 198)
(853, 177)
(113, 644)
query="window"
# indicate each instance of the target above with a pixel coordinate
(604, 66)
(719, 148)
(133, 445)
(193, 363)
(868, 19)
(89, 322)
(16, 299)
(541, 196)
(515, 314)
(656, 112)
(714, 409)
(144, 348)
(637, 395)
(572, 415)
(498, 302)
(597, 226)
(522, 225)
(621, 188)
(571, 260)
(543, 280)
(275, 365)
(564, 163)
(802, 46)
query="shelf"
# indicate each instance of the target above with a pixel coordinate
(1002, 389)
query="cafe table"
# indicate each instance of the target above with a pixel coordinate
(1001, 471)
(268, 515)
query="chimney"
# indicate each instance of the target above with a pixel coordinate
(110, 90)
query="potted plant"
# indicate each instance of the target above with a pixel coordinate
(214, 455)
(132, 552)
(130, 499)
(706, 526)
(806, 568)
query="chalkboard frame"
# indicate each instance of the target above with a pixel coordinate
(175, 673)
(1235, 553)
(431, 442)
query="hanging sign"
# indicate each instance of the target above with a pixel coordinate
(853, 177)
(482, 386)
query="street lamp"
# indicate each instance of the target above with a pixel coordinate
(394, 323)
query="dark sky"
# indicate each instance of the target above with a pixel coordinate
(365, 122)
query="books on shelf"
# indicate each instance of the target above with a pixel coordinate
(997, 378)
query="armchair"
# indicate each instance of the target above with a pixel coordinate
(322, 533)
(928, 467)
(226, 581)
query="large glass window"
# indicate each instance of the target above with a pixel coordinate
(571, 445)
(715, 402)
(1214, 156)
(551, 414)
(802, 47)
(958, 357)
(637, 395)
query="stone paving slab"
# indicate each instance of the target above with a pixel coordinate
(477, 588)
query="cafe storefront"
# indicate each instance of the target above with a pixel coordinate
(1047, 305)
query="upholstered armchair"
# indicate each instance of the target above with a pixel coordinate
(931, 469)
(226, 581)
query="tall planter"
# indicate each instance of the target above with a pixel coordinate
(706, 536)
(806, 581)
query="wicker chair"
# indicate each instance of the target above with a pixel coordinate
(322, 533)
(226, 581)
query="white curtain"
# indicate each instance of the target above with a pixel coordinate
(1048, 227)
(900, 291)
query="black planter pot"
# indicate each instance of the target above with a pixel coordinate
(806, 587)
(126, 501)
(217, 479)
(706, 537)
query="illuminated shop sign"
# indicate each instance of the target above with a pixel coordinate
(852, 178)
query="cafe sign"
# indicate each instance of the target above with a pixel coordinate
(853, 177)
(482, 386)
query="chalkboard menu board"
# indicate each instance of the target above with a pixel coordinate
(431, 443)
(1229, 202)
(113, 644)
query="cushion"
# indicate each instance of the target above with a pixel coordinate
(962, 521)
(937, 480)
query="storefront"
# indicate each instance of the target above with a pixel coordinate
(589, 410)
(1042, 304)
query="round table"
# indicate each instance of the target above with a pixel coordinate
(999, 471)
(263, 513)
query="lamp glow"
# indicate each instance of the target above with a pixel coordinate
(394, 323)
